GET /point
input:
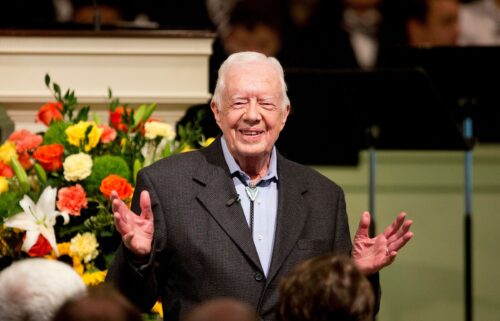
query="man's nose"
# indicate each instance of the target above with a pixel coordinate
(252, 111)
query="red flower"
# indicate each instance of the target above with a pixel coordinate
(116, 183)
(115, 118)
(50, 156)
(50, 112)
(5, 170)
(41, 247)
(71, 199)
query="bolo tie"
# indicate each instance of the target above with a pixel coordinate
(252, 192)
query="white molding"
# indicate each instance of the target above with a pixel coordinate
(171, 71)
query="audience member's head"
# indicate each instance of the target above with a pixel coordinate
(222, 309)
(252, 28)
(102, 303)
(326, 288)
(432, 22)
(34, 289)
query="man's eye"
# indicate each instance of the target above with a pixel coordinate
(238, 104)
(267, 105)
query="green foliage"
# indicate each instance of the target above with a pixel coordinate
(104, 166)
(55, 134)
(102, 224)
(192, 133)
(9, 203)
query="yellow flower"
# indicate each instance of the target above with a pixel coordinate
(187, 148)
(207, 142)
(4, 185)
(77, 167)
(8, 150)
(155, 129)
(64, 249)
(84, 246)
(94, 277)
(76, 134)
(158, 308)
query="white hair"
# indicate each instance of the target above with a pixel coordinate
(34, 289)
(248, 57)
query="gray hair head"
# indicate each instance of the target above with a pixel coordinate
(34, 289)
(248, 57)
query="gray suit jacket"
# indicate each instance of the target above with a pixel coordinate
(202, 246)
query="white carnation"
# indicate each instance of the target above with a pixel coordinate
(77, 167)
(158, 129)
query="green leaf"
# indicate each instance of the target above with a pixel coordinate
(149, 111)
(83, 114)
(96, 118)
(40, 173)
(57, 90)
(137, 167)
(20, 174)
(47, 80)
(139, 114)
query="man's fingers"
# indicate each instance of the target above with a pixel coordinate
(145, 203)
(120, 224)
(364, 223)
(400, 242)
(400, 232)
(395, 225)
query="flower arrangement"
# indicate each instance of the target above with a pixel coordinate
(55, 185)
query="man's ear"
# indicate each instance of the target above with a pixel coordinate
(216, 111)
(285, 115)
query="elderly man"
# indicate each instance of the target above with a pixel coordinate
(232, 219)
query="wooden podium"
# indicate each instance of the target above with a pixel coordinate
(169, 67)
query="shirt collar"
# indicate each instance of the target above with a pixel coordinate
(234, 168)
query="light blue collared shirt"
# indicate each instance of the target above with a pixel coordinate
(265, 205)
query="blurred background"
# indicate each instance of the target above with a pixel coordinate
(398, 76)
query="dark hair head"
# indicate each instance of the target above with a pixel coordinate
(326, 288)
(102, 303)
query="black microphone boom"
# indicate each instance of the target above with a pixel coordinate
(231, 201)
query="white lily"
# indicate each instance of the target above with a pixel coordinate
(38, 219)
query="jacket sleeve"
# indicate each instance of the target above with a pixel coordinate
(138, 279)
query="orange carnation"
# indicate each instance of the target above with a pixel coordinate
(108, 134)
(50, 112)
(116, 183)
(72, 199)
(50, 156)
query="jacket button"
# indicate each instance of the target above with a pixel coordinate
(258, 276)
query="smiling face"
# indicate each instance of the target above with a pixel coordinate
(251, 114)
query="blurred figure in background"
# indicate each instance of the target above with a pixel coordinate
(102, 303)
(326, 288)
(249, 26)
(432, 22)
(313, 36)
(34, 289)
(480, 23)
(362, 19)
(222, 309)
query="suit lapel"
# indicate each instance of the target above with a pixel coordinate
(217, 189)
(292, 215)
